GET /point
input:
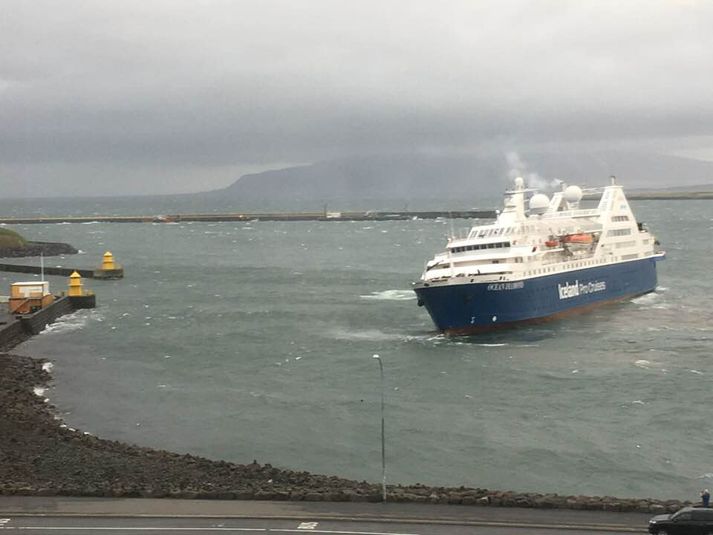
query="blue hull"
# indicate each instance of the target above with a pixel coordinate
(471, 307)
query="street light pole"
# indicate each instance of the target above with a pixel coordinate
(383, 438)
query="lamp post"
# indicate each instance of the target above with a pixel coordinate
(383, 439)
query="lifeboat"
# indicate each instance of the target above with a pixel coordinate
(552, 243)
(578, 239)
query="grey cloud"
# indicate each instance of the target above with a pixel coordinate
(222, 84)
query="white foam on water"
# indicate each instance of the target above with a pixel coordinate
(373, 335)
(638, 402)
(492, 345)
(646, 299)
(47, 367)
(39, 391)
(91, 223)
(70, 323)
(696, 372)
(642, 363)
(391, 295)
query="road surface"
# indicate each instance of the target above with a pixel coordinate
(42, 516)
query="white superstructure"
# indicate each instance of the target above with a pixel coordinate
(544, 236)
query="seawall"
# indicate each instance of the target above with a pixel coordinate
(16, 329)
(65, 272)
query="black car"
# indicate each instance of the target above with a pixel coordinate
(687, 521)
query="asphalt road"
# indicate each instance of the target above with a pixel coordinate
(144, 516)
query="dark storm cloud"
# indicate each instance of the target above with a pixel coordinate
(170, 91)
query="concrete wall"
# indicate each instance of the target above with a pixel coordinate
(64, 272)
(35, 323)
(12, 334)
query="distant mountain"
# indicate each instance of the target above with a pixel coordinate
(403, 178)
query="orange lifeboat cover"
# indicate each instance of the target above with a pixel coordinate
(578, 238)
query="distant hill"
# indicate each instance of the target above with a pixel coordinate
(412, 177)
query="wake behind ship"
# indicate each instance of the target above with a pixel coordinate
(553, 259)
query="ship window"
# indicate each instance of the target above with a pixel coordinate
(619, 232)
(625, 244)
(620, 218)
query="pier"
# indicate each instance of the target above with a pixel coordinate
(262, 216)
(108, 270)
(64, 272)
(17, 328)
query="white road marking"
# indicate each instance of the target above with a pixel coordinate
(197, 528)
(308, 525)
(338, 532)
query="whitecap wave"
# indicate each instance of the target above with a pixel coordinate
(492, 345)
(72, 322)
(391, 295)
(643, 363)
(373, 335)
(39, 391)
(47, 367)
(646, 299)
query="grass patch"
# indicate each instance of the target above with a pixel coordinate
(10, 239)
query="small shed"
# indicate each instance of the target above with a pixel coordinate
(29, 297)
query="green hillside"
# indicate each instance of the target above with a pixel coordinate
(11, 240)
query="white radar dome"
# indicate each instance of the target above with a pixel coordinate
(573, 194)
(539, 203)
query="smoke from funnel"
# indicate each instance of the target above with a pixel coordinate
(518, 167)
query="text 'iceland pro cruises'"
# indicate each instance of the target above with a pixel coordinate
(541, 263)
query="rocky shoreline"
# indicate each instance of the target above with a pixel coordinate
(41, 456)
(37, 248)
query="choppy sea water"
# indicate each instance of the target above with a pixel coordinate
(247, 341)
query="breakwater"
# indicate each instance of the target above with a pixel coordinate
(266, 216)
(16, 329)
(64, 272)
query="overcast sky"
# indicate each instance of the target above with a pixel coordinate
(148, 96)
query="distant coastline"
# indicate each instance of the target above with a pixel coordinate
(671, 195)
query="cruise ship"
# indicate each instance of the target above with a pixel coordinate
(541, 259)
